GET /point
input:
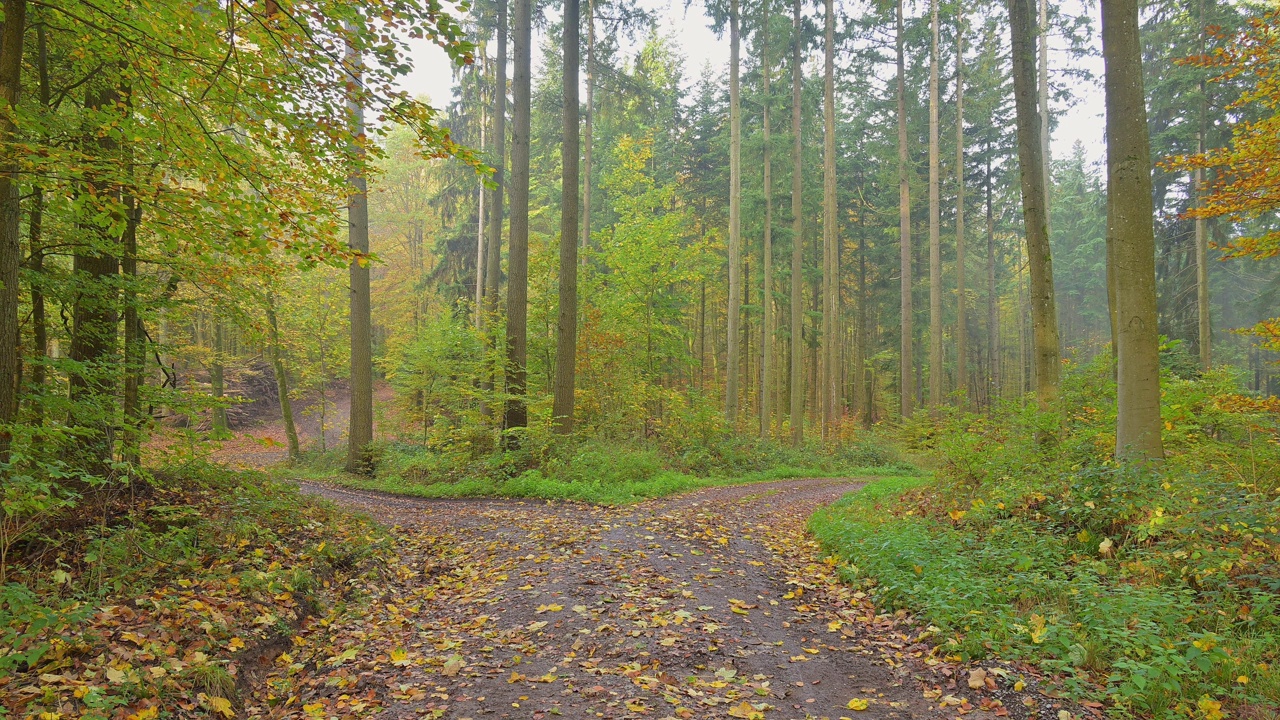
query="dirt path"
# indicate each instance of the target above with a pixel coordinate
(709, 605)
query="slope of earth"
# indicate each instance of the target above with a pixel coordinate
(712, 604)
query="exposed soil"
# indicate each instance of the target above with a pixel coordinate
(708, 605)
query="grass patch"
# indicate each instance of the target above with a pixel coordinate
(534, 484)
(597, 471)
(1154, 590)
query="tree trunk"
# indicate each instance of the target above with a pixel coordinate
(134, 351)
(95, 318)
(517, 413)
(1045, 137)
(35, 228)
(282, 381)
(493, 255)
(217, 382)
(862, 394)
(905, 380)
(735, 220)
(830, 236)
(962, 327)
(766, 299)
(567, 322)
(360, 424)
(15, 13)
(1138, 425)
(935, 222)
(1034, 209)
(994, 386)
(480, 243)
(1202, 236)
(797, 237)
(591, 111)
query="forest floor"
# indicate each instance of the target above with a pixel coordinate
(716, 603)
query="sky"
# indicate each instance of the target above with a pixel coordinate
(433, 73)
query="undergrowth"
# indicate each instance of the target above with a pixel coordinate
(1153, 589)
(142, 595)
(598, 470)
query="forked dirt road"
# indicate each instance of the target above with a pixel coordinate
(714, 604)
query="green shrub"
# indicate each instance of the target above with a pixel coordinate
(1153, 588)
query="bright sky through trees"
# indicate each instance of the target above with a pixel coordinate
(434, 77)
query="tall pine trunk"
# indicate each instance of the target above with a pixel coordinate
(1043, 94)
(1129, 224)
(1205, 330)
(481, 246)
(567, 321)
(906, 381)
(994, 386)
(14, 28)
(360, 423)
(493, 254)
(766, 299)
(830, 237)
(586, 147)
(935, 222)
(1034, 208)
(735, 220)
(517, 413)
(962, 326)
(797, 237)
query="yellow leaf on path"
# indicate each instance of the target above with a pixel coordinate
(550, 608)
(452, 666)
(746, 711)
(145, 713)
(400, 657)
(235, 644)
(222, 705)
(857, 704)
(115, 676)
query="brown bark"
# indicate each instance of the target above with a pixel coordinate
(282, 381)
(830, 237)
(735, 221)
(588, 137)
(962, 327)
(567, 320)
(766, 299)
(935, 223)
(1129, 224)
(517, 413)
(1034, 208)
(11, 40)
(797, 237)
(493, 253)
(360, 423)
(905, 379)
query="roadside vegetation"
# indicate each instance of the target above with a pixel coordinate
(599, 470)
(163, 593)
(1154, 589)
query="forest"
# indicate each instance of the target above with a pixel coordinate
(901, 360)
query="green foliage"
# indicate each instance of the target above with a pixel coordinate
(197, 552)
(1153, 588)
(610, 471)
